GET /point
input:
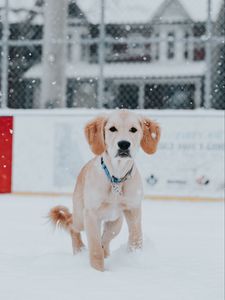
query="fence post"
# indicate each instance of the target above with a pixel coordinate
(208, 60)
(53, 86)
(101, 56)
(5, 57)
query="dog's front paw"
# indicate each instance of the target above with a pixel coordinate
(78, 250)
(106, 251)
(97, 261)
(135, 245)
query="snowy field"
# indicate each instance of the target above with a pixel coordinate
(182, 258)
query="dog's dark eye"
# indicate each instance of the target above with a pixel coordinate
(113, 129)
(133, 129)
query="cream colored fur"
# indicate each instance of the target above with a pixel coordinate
(94, 201)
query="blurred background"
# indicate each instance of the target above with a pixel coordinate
(164, 58)
(62, 63)
(164, 54)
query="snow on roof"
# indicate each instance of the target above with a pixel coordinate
(198, 10)
(38, 19)
(18, 9)
(141, 11)
(122, 11)
(127, 70)
(19, 4)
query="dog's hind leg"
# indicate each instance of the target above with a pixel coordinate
(77, 242)
(78, 226)
(111, 230)
(78, 219)
(61, 217)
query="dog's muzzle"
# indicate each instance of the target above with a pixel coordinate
(123, 153)
(123, 150)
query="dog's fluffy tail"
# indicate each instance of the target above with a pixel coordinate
(61, 217)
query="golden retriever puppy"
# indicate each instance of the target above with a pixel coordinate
(109, 186)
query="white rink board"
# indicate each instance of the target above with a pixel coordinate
(50, 148)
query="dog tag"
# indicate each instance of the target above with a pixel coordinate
(116, 189)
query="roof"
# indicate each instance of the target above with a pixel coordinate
(127, 11)
(141, 11)
(127, 70)
(18, 9)
(19, 4)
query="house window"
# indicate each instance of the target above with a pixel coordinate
(93, 53)
(157, 47)
(148, 46)
(119, 48)
(170, 45)
(69, 47)
(146, 55)
(199, 52)
(186, 37)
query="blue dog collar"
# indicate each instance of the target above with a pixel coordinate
(113, 179)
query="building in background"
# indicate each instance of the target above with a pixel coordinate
(21, 55)
(218, 63)
(154, 53)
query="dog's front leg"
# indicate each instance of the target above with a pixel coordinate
(93, 230)
(133, 218)
(111, 230)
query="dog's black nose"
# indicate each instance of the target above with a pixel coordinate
(124, 145)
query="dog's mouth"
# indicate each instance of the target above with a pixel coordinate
(123, 153)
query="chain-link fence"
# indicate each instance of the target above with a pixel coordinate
(113, 53)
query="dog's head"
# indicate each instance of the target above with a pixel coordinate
(121, 134)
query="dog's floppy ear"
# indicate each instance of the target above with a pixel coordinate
(94, 132)
(151, 135)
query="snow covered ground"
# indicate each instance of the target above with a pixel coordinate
(182, 256)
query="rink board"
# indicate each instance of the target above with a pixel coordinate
(49, 149)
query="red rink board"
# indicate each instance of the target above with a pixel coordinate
(6, 139)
